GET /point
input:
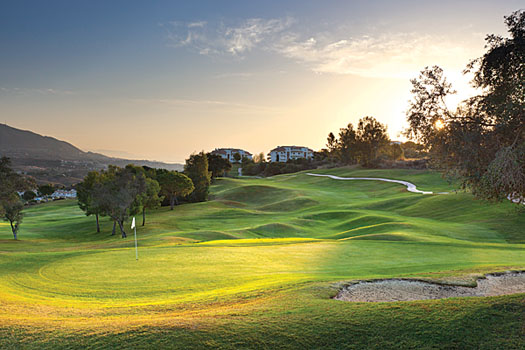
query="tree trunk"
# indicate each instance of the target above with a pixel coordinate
(143, 216)
(114, 227)
(172, 201)
(14, 229)
(176, 201)
(121, 225)
(98, 225)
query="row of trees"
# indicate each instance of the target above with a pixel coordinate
(117, 193)
(262, 168)
(483, 140)
(362, 145)
(122, 192)
(11, 203)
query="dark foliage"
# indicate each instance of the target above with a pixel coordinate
(483, 141)
(276, 168)
(363, 145)
(218, 165)
(196, 168)
(11, 204)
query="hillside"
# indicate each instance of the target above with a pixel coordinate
(51, 160)
(257, 265)
(18, 143)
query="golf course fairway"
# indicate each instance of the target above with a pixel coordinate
(257, 267)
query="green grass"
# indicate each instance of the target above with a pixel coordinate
(256, 266)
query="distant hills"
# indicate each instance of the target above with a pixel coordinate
(51, 160)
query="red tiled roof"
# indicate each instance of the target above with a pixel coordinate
(292, 148)
(232, 150)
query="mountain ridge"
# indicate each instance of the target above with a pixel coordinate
(49, 159)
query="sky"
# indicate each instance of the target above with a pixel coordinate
(160, 80)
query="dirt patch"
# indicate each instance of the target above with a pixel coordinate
(407, 290)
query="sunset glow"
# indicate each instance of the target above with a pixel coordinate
(289, 174)
(247, 75)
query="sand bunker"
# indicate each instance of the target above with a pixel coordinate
(407, 290)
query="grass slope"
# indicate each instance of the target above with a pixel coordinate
(256, 267)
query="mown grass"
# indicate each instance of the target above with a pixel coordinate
(256, 267)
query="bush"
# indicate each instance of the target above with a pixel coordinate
(276, 168)
(28, 195)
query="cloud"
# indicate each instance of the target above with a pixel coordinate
(219, 39)
(391, 55)
(254, 31)
(199, 24)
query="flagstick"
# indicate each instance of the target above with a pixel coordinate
(136, 249)
(135, 230)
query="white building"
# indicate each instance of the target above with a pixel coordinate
(64, 194)
(284, 153)
(228, 153)
(56, 195)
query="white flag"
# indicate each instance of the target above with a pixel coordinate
(133, 223)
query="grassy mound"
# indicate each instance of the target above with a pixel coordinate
(387, 237)
(277, 230)
(362, 221)
(295, 204)
(208, 235)
(255, 194)
(331, 216)
(373, 229)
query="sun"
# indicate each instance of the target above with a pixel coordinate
(439, 124)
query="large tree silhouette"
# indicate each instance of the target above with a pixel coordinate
(483, 141)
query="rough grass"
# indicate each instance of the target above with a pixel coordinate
(256, 267)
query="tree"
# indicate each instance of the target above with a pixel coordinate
(150, 198)
(218, 165)
(482, 141)
(245, 161)
(357, 145)
(237, 157)
(371, 136)
(392, 151)
(346, 145)
(272, 168)
(259, 158)
(413, 150)
(174, 185)
(46, 190)
(331, 143)
(13, 212)
(86, 195)
(11, 204)
(322, 155)
(254, 168)
(28, 195)
(196, 168)
(117, 195)
(428, 110)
